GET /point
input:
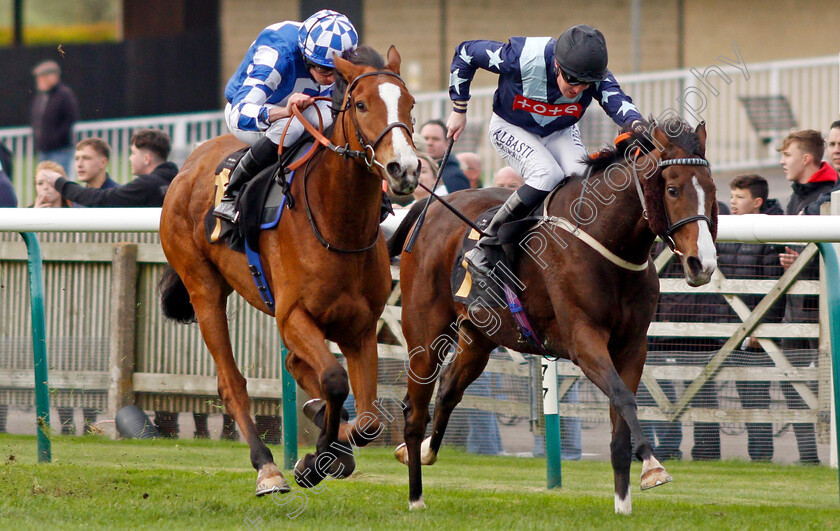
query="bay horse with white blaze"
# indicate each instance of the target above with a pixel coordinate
(329, 273)
(590, 302)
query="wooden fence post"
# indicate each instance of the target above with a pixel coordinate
(123, 318)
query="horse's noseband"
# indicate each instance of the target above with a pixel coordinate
(667, 236)
(367, 146)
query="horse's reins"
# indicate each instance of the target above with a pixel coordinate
(344, 151)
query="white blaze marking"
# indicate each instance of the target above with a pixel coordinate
(623, 505)
(706, 251)
(405, 155)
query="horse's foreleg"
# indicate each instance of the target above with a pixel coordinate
(593, 357)
(315, 362)
(210, 311)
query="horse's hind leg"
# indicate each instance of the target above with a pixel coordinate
(208, 295)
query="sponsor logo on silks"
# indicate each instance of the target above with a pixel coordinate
(546, 109)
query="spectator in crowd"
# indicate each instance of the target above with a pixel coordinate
(471, 167)
(54, 111)
(289, 64)
(46, 196)
(434, 133)
(753, 261)
(8, 198)
(544, 87)
(810, 177)
(507, 177)
(91, 158)
(149, 150)
(834, 160)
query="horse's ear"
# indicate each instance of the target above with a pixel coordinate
(660, 141)
(701, 134)
(348, 70)
(394, 59)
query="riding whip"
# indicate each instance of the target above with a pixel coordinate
(417, 226)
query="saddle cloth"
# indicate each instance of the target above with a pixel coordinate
(260, 201)
(477, 290)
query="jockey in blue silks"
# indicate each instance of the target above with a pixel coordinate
(545, 86)
(288, 64)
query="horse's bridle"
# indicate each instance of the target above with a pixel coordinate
(366, 144)
(346, 152)
(672, 228)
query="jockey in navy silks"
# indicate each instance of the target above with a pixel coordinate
(288, 64)
(545, 86)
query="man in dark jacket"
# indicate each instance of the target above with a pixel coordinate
(802, 154)
(834, 159)
(149, 150)
(54, 111)
(753, 261)
(434, 133)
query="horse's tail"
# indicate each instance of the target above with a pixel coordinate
(397, 240)
(174, 298)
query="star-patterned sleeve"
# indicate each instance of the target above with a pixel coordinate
(469, 57)
(616, 103)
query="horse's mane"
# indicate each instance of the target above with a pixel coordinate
(679, 133)
(362, 55)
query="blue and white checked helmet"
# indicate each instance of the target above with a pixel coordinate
(324, 34)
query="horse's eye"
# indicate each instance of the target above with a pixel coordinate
(673, 191)
(361, 106)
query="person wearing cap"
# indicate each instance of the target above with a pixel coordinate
(54, 111)
(288, 65)
(545, 86)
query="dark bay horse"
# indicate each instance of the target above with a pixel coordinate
(590, 306)
(334, 290)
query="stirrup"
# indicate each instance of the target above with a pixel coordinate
(226, 210)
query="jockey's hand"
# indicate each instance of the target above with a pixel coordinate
(455, 124)
(300, 100)
(638, 127)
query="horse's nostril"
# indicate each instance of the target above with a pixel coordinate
(394, 169)
(695, 266)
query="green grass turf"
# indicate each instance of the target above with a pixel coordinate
(95, 483)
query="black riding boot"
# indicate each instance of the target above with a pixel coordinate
(260, 156)
(522, 201)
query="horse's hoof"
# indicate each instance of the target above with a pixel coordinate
(306, 474)
(401, 453)
(269, 479)
(314, 411)
(343, 465)
(655, 477)
(427, 455)
(416, 505)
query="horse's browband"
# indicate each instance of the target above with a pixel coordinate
(694, 161)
